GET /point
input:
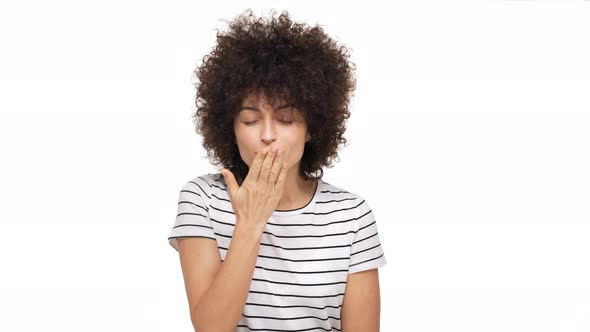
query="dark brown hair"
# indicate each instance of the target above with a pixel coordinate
(285, 61)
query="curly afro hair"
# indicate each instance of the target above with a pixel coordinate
(285, 61)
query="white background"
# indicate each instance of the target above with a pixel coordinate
(469, 138)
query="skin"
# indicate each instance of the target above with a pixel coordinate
(361, 305)
(266, 129)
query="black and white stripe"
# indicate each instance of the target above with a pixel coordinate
(305, 254)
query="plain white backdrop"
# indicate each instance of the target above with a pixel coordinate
(469, 138)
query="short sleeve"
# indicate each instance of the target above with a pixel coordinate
(366, 252)
(192, 219)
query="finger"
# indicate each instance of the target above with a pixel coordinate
(254, 171)
(281, 179)
(230, 181)
(276, 168)
(265, 168)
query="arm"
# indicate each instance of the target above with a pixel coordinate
(361, 303)
(217, 292)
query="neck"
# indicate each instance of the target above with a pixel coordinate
(297, 191)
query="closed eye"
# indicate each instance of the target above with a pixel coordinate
(283, 121)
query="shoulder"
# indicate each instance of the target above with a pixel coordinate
(354, 200)
(204, 185)
(207, 180)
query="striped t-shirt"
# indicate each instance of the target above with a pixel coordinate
(305, 254)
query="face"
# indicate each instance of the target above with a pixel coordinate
(261, 125)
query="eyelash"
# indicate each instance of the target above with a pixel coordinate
(285, 122)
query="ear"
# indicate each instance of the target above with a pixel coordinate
(308, 137)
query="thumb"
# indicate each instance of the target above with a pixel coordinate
(230, 181)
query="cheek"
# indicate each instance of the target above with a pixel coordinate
(245, 147)
(295, 155)
(246, 153)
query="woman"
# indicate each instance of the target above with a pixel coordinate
(266, 244)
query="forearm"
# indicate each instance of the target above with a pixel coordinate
(220, 307)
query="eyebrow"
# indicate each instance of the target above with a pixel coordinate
(257, 110)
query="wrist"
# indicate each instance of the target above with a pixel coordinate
(251, 229)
